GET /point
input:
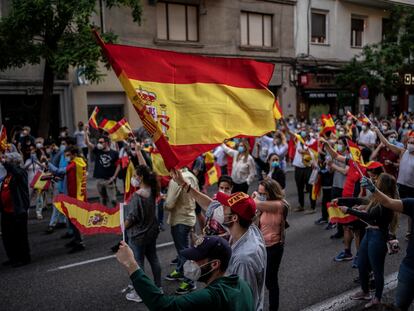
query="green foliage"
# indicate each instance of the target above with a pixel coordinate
(380, 65)
(57, 31)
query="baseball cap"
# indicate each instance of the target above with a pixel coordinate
(212, 247)
(240, 203)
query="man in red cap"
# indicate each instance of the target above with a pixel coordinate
(249, 253)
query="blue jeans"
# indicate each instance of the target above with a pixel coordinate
(181, 235)
(149, 251)
(57, 217)
(405, 288)
(371, 255)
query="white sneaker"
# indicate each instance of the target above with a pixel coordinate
(133, 296)
(127, 289)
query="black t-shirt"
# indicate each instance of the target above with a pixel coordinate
(105, 163)
(408, 209)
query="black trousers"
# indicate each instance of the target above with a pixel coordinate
(302, 175)
(244, 187)
(274, 257)
(15, 239)
(326, 197)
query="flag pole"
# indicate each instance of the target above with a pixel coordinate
(121, 220)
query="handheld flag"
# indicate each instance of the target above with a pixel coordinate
(327, 124)
(350, 115)
(212, 175)
(89, 218)
(92, 119)
(39, 182)
(337, 216)
(189, 103)
(316, 188)
(3, 139)
(118, 131)
(277, 110)
(129, 189)
(355, 152)
(364, 119)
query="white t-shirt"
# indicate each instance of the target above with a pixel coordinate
(298, 159)
(368, 137)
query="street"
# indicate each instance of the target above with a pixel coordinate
(93, 280)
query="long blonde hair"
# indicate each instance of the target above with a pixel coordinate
(245, 153)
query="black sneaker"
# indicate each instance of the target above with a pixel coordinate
(77, 248)
(60, 225)
(174, 262)
(321, 221)
(67, 235)
(50, 230)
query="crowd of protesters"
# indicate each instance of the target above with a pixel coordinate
(241, 229)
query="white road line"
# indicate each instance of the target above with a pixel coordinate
(85, 262)
(344, 302)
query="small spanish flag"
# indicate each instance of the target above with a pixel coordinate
(3, 139)
(118, 131)
(277, 110)
(364, 119)
(89, 218)
(39, 182)
(92, 119)
(355, 152)
(158, 164)
(209, 159)
(327, 124)
(337, 216)
(350, 115)
(316, 188)
(212, 175)
(129, 189)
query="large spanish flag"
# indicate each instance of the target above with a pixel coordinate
(89, 218)
(189, 103)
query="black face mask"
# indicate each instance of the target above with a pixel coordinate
(206, 272)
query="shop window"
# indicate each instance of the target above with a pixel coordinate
(319, 27)
(357, 32)
(177, 22)
(256, 29)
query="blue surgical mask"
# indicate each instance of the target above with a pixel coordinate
(393, 140)
(303, 134)
(340, 148)
(240, 149)
(275, 164)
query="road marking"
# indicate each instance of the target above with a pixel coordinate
(344, 302)
(85, 262)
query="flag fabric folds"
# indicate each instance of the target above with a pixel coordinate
(89, 218)
(327, 124)
(212, 175)
(39, 182)
(3, 139)
(129, 189)
(277, 111)
(118, 131)
(189, 103)
(337, 216)
(355, 152)
(93, 118)
(158, 164)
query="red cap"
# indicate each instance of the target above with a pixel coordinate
(373, 165)
(240, 203)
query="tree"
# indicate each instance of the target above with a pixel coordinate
(380, 66)
(58, 33)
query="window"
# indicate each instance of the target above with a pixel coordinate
(256, 29)
(319, 27)
(177, 22)
(386, 29)
(357, 32)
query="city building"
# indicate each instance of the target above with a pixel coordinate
(261, 30)
(328, 34)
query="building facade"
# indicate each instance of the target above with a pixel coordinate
(329, 33)
(261, 30)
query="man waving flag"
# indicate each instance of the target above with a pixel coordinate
(188, 103)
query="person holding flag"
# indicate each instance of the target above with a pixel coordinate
(75, 172)
(351, 188)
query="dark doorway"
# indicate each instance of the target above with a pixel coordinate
(21, 110)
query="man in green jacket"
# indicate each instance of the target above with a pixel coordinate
(206, 262)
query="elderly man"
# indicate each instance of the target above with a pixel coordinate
(14, 203)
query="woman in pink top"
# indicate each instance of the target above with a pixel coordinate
(273, 209)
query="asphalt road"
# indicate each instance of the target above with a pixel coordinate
(307, 276)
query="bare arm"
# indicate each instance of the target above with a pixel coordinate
(393, 148)
(386, 201)
(269, 206)
(87, 140)
(342, 170)
(375, 152)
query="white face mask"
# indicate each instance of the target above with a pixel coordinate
(363, 127)
(192, 270)
(135, 182)
(39, 145)
(99, 146)
(410, 147)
